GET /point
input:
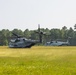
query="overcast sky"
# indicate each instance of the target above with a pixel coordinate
(23, 14)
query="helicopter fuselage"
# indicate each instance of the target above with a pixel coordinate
(57, 43)
(21, 43)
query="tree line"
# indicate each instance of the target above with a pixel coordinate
(51, 34)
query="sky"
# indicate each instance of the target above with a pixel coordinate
(23, 14)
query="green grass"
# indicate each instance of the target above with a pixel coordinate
(38, 60)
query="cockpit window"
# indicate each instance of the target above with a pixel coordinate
(23, 39)
(12, 41)
(17, 40)
(51, 42)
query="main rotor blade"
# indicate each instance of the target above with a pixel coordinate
(16, 35)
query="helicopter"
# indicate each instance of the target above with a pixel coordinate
(57, 43)
(22, 42)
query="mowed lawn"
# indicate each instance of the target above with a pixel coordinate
(38, 60)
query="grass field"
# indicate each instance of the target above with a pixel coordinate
(38, 60)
